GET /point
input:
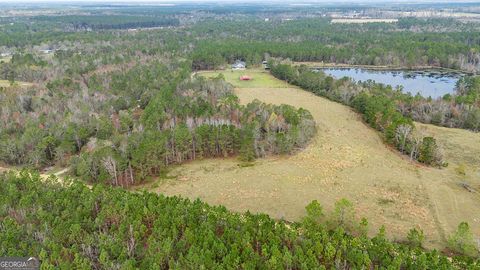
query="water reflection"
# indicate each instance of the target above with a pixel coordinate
(434, 83)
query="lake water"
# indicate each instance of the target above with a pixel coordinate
(432, 83)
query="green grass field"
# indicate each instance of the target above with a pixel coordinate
(346, 159)
(260, 78)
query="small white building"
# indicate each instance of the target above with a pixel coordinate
(239, 65)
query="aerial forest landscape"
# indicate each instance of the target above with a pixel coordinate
(240, 135)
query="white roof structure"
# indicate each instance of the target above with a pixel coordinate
(239, 65)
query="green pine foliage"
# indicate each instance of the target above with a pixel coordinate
(415, 238)
(74, 227)
(198, 118)
(462, 241)
(132, 123)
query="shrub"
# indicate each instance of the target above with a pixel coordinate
(429, 152)
(415, 238)
(462, 241)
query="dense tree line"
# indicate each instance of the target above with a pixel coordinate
(197, 118)
(84, 105)
(399, 45)
(375, 102)
(73, 227)
(128, 121)
(218, 40)
(87, 89)
(23, 34)
(102, 22)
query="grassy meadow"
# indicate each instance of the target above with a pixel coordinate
(346, 159)
(259, 78)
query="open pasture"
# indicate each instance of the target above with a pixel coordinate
(346, 159)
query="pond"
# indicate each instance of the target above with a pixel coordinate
(433, 83)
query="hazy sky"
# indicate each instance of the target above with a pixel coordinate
(283, 2)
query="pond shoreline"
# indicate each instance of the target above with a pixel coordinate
(433, 83)
(389, 68)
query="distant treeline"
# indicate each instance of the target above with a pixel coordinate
(214, 54)
(104, 22)
(409, 43)
(217, 42)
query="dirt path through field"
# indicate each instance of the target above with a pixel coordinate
(347, 159)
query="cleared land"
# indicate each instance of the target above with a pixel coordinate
(347, 159)
(364, 20)
(259, 79)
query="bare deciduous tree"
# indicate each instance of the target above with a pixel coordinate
(111, 166)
